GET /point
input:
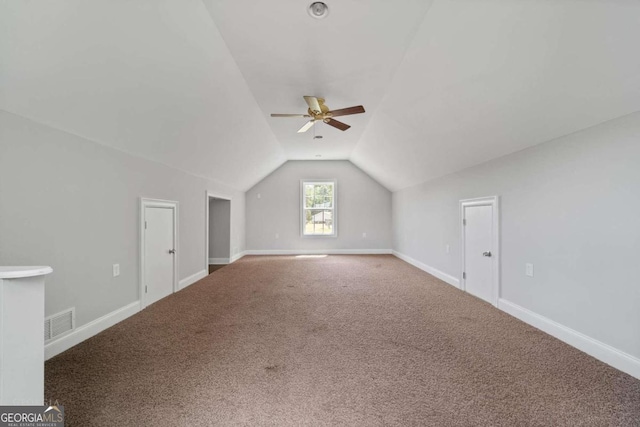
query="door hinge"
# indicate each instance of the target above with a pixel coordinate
(145, 225)
(145, 289)
(464, 222)
(464, 275)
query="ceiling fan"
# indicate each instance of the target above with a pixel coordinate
(319, 112)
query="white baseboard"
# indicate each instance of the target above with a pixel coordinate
(237, 257)
(92, 328)
(433, 271)
(218, 261)
(601, 351)
(318, 252)
(192, 279)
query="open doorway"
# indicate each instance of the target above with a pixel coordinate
(218, 233)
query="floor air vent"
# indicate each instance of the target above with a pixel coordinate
(59, 324)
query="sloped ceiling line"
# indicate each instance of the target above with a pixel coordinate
(447, 84)
(207, 5)
(164, 86)
(49, 126)
(484, 79)
(349, 58)
(410, 40)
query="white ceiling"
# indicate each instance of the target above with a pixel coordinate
(446, 83)
(482, 79)
(153, 78)
(349, 58)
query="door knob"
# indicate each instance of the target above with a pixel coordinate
(488, 253)
(172, 251)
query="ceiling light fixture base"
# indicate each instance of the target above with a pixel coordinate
(318, 10)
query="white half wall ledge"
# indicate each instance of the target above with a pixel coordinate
(431, 270)
(218, 261)
(9, 272)
(90, 329)
(601, 351)
(318, 252)
(188, 281)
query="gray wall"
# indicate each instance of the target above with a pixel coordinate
(219, 231)
(73, 204)
(569, 206)
(363, 206)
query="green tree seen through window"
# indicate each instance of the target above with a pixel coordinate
(318, 208)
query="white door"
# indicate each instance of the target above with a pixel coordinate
(479, 251)
(159, 253)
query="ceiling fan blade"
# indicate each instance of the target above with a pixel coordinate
(347, 111)
(313, 104)
(336, 124)
(289, 115)
(307, 126)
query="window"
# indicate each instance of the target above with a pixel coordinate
(318, 208)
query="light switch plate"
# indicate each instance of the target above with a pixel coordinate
(116, 270)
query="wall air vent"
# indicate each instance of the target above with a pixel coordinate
(59, 324)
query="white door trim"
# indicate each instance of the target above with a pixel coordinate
(494, 202)
(208, 196)
(157, 203)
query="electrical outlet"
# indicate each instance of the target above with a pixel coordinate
(364, 235)
(277, 236)
(116, 270)
(259, 195)
(528, 270)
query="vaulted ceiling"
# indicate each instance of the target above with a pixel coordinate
(446, 83)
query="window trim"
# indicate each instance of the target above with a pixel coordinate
(335, 207)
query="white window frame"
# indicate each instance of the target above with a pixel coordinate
(304, 182)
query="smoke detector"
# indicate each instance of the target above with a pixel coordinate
(318, 10)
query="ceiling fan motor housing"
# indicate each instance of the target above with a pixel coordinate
(318, 111)
(323, 110)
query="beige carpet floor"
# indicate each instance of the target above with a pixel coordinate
(341, 340)
(215, 267)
